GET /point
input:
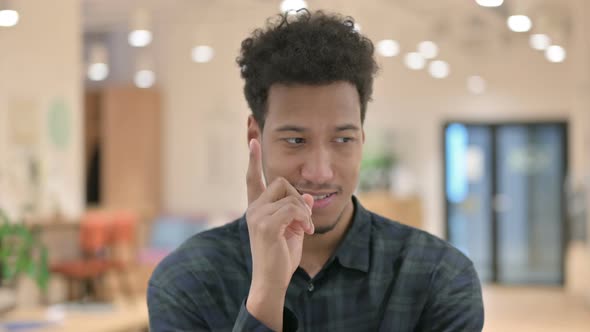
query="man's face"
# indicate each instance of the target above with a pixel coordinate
(313, 137)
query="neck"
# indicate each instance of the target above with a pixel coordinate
(317, 249)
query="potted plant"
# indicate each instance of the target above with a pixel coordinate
(376, 167)
(20, 253)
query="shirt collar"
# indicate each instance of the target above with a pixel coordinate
(354, 250)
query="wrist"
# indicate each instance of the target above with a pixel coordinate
(267, 305)
(263, 296)
(269, 288)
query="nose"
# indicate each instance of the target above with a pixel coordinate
(317, 168)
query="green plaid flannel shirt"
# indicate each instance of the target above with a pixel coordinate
(384, 276)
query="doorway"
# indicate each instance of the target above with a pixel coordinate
(92, 148)
(504, 187)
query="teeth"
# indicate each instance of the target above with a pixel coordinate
(320, 197)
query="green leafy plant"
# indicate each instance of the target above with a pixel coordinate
(379, 161)
(376, 166)
(21, 252)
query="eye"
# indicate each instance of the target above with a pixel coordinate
(295, 140)
(344, 139)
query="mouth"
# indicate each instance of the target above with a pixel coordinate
(321, 200)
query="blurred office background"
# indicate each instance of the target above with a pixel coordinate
(123, 132)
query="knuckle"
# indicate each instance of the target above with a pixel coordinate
(293, 200)
(297, 201)
(291, 209)
(273, 184)
(252, 206)
(282, 181)
(252, 212)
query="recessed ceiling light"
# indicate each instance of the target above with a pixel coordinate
(140, 38)
(439, 69)
(8, 18)
(490, 3)
(98, 71)
(428, 49)
(292, 5)
(388, 47)
(414, 61)
(519, 23)
(555, 53)
(476, 84)
(144, 79)
(202, 54)
(539, 41)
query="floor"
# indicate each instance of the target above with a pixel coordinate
(534, 309)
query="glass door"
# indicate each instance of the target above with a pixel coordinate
(504, 199)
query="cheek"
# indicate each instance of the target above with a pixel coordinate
(348, 164)
(349, 170)
(278, 163)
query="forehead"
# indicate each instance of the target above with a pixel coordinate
(313, 104)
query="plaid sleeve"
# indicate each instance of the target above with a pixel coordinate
(168, 313)
(247, 322)
(455, 306)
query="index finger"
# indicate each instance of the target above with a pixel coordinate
(254, 180)
(281, 188)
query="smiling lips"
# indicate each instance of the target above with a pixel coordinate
(321, 200)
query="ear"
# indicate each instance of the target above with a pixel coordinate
(254, 131)
(363, 135)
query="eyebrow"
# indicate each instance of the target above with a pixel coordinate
(290, 128)
(302, 129)
(348, 127)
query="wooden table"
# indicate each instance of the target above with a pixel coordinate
(124, 316)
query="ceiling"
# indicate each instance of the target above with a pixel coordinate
(108, 15)
(461, 24)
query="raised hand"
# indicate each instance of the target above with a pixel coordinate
(278, 218)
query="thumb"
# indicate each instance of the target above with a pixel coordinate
(308, 200)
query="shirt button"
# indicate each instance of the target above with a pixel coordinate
(310, 287)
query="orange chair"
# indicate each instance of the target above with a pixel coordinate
(95, 229)
(124, 249)
(124, 224)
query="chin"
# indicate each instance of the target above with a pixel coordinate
(320, 230)
(327, 224)
(328, 219)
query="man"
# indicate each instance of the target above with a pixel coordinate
(306, 255)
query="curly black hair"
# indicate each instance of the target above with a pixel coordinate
(306, 48)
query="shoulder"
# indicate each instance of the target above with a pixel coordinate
(434, 274)
(422, 250)
(205, 253)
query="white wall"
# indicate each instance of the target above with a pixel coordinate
(205, 149)
(40, 65)
(580, 260)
